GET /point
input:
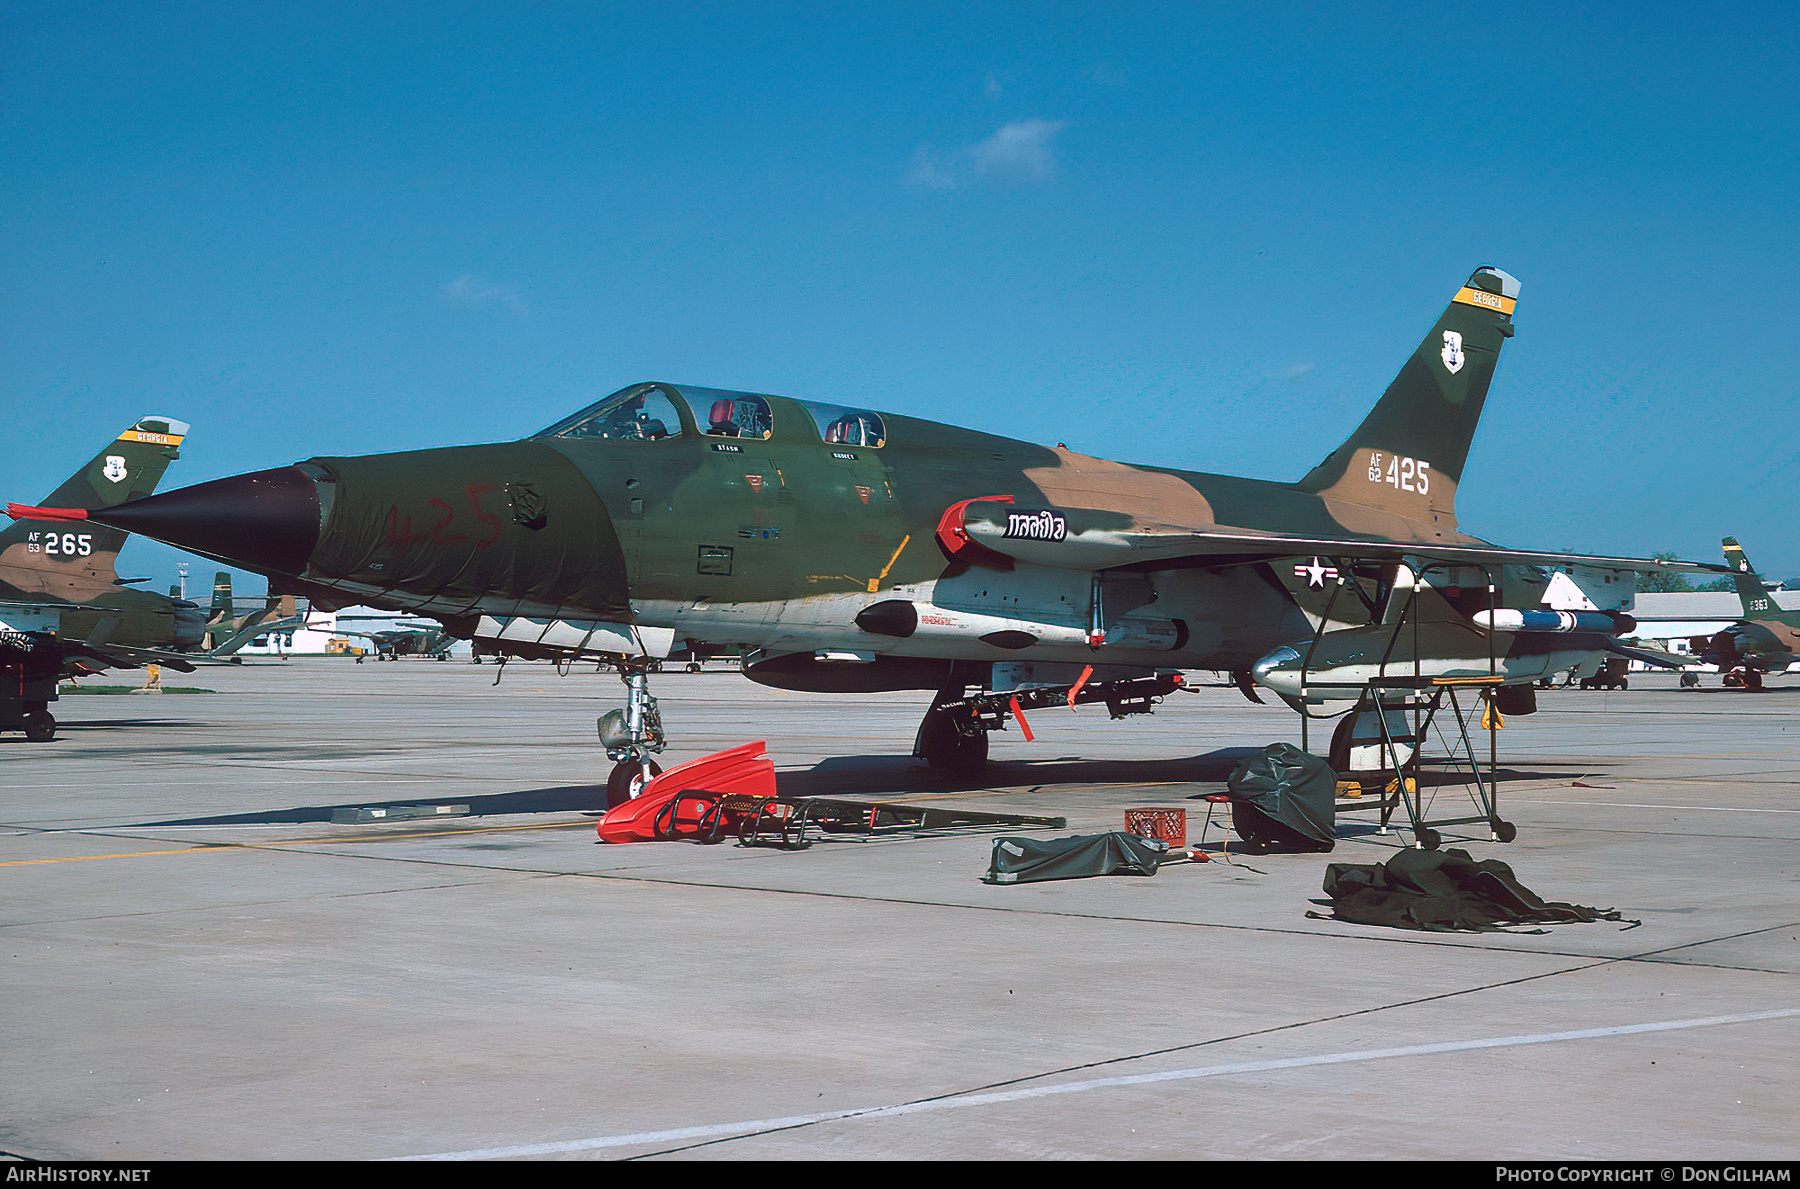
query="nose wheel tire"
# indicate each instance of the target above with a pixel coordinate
(628, 779)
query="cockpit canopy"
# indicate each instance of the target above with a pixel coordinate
(650, 413)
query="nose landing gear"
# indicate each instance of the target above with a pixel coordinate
(632, 735)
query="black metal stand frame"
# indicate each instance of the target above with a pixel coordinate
(785, 822)
(1422, 697)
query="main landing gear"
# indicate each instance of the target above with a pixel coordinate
(40, 727)
(952, 742)
(632, 735)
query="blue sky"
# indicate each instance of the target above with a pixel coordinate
(1175, 234)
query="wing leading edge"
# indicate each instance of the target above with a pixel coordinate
(1093, 539)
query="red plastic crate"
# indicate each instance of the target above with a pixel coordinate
(1169, 825)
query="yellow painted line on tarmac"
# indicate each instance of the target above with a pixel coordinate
(241, 846)
(192, 850)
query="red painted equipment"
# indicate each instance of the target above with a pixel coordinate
(954, 539)
(687, 800)
(27, 512)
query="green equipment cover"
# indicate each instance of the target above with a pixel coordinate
(1027, 860)
(1443, 891)
(1284, 799)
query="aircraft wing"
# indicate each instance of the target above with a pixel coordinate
(45, 617)
(254, 628)
(41, 610)
(118, 656)
(1651, 656)
(1085, 539)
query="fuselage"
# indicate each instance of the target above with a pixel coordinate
(773, 525)
(1768, 645)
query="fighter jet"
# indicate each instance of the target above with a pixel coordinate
(1764, 641)
(227, 631)
(845, 549)
(63, 607)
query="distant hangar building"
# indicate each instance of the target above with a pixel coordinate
(1671, 620)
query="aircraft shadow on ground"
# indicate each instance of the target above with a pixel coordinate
(850, 777)
(566, 798)
(105, 724)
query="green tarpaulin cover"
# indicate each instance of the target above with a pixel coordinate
(1284, 799)
(1443, 890)
(1027, 860)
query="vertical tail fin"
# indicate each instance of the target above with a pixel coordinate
(1408, 454)
(220, 617)
(221, 611)
(1750, 590)
(75, 560)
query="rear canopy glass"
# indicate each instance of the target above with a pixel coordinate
(839, 426)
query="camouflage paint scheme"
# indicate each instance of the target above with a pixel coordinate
(853, 558)
(1767, 638)
(70, 566)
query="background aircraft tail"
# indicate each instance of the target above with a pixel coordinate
(220, 615)
(74, 560)
(221, 598)
(1407, 456)
(1751, 592)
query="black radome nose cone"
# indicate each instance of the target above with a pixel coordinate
(265, 521)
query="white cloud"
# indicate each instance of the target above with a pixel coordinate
(472, 293)
(1020, 152)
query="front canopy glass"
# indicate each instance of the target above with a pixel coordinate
(640, 413)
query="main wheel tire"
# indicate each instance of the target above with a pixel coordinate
(1428, 838)
(627, 781)
(1504, 831)
(937, 741)
(40, 727)
(971, 755)
(949, 750)
(1338, 755)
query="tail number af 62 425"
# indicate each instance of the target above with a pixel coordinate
(1405, 474)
